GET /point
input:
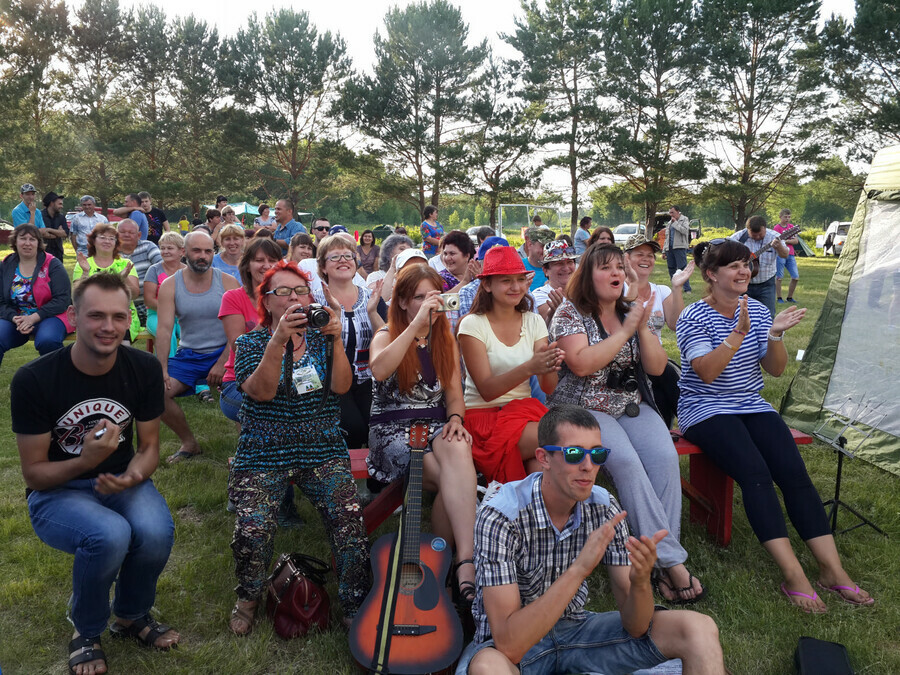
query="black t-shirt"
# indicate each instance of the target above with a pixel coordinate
(51, 395)
(55, 246)
(155, 220)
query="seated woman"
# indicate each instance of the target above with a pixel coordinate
(34, 295)
(301, 247)
(415, 365)
(603, 236)
(231, 240)
(368, 252)
(640, 256)
(724, 339)
(281, 367)
(171, 249)
(503, 344)
(559, 266)
(456, 252)
(609, 351)
(357, 310)
(103, 256)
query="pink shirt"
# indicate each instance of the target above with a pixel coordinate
(779, 229)
(235, 301)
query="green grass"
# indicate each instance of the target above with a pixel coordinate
(759, 629)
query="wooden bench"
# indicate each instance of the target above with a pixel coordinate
(710, 491)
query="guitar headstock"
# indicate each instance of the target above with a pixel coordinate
(790, 232)
(418, 436)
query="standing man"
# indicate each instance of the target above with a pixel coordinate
(142, 254)
(789, 263)
(193, 295)
(678, 238)
(755, 236)
(535, 240)
(26, 210)
(134, 211)
(536, 543)
(92, 496)
(83, 223)
(320, 229)
(431, 231)
(54, 228)
(156, 218)
(285, 225)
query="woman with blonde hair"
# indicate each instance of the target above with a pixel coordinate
(231, 240)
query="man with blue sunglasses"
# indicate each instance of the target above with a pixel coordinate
(536, 542)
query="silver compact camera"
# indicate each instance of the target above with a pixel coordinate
(449, 302)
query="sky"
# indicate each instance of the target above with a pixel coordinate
(357, 20)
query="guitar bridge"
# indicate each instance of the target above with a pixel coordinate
(412, 630)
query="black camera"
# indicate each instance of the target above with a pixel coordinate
(316, 316)
(622, 380)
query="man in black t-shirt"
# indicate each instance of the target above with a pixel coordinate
(54, 228)
(156, 218)
(75, 413)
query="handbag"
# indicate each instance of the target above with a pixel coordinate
(296, 599)
(818, 657)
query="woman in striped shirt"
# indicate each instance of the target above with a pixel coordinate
(724, 339)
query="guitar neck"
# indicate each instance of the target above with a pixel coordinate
(412, 510)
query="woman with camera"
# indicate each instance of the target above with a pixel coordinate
(415, 365)
(289, 435)
(724, 339)
(609, 351)
(358, 310)
(504, 343)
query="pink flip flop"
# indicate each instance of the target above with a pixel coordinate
(789, 593)
(837, 591)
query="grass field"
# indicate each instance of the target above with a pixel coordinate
(759, 629)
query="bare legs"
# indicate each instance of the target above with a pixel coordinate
(528, 443)
(173, 417)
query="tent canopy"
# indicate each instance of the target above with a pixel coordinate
(240, 208)
(852, 354)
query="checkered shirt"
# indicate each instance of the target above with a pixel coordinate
(767, 260)
(516, 543)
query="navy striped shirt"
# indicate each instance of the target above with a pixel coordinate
(700, 330)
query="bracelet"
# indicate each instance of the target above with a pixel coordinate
(729, 345)
(773, 338)
(461, 420)
(739, 332)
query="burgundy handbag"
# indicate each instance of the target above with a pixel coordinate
(296, 600)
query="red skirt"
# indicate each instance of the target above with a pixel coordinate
(495, 437)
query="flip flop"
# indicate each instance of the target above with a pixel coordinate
(180, 456)
(789, 593)
(850, 601)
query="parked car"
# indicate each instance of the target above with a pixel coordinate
(625, 230)
(834, 237)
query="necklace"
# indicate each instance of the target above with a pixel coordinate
(421, 343)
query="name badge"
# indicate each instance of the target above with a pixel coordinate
(306, 379)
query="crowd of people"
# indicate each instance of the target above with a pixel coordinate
(533, 370)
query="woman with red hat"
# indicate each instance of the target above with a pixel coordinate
(504, 343)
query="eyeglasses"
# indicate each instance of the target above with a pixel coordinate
(336, 257)
(284, 291)
(107, 238)
(574, 455)
(320, 229)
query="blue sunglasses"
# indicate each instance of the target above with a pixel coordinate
(574, 455)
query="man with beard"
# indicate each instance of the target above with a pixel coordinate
(193, 295)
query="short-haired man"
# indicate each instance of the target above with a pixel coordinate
(533, 248)
(142, 254)
(156, 218)
(26, 210)
(193, 295)
(431, 231)
(678, 238)
(83, 223)
(285, 225)
(536, 543)
(789, 263)
(136, 213)
(755, 236)
(320, 228)
(75, 413)
(53, 225)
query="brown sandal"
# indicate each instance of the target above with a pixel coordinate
(242, 615)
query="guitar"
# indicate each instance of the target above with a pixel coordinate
(408, 624)
(754, 257)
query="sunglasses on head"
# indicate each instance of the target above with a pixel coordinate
(574, 454)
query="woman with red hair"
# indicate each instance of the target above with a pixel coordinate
(415, 365)
(290, 434)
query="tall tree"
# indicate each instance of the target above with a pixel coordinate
(413, 107)
(286, 76)
(762, 98)
(560, 49)
(864, 66)
(647, 86)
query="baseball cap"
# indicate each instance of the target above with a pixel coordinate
(490, 243)
(408, 254)
(542, 234)
(639, 239)
(27, 187)
(336, 229)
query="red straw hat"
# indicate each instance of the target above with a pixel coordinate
(501, 260)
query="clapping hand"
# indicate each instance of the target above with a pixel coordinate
(554, 299)
(679, 279)
(788, 319)
(547, 358)
(638, 316)
(642, 553)
(595, 546)
(743, 324)
(372, 304)
(83, 263)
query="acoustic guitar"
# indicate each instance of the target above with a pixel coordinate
(408, 624)
(787, 234)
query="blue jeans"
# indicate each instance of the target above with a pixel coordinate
(765, 293)
(595, 643)
(676, 259)
(48, 336)
(124, 537)
(230, 400)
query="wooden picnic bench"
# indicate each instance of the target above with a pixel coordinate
(710, 491)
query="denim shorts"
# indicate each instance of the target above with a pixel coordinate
(593, 643)
(790, 263)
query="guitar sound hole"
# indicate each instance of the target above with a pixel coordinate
(410, 577)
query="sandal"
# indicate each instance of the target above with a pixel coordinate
(243, 615)
(82, 650)
(180, 456)
(135, 628)
(205, 396)
(659, 582)
(463, 591)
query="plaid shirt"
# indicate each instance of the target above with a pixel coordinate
(766, 260)
(516, 543)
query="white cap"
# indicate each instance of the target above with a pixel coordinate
(408, 254)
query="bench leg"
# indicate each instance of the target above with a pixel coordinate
(718, 489)
(384, 504)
